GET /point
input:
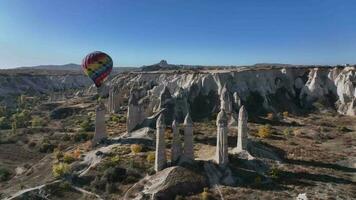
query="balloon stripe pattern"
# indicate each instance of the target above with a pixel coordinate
(97, 66)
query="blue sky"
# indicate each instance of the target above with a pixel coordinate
(207, 32)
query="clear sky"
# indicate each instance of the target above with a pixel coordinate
(207, 32)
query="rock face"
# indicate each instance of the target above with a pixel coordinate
(100, 127)
(221, 154)
(242, 130)
(176, 150)
(261, 90)
(160, 159)
(167, 184)
(188, 138)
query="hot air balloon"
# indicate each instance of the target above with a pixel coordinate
(97, 66)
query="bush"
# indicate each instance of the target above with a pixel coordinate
(68, 158)
(46, 147)
(4, 174)
(21, 119)
(151, 157)
(82, 136)
(66, 137)
(112, 162)
(114, 174)
(60, 170)
(37, 122)
(5, 123)
(114, 118)
(59, 155)
(87, 125)
(285, 114)
(274, 172)
(287, 131)
(205, 195)
(65, 186)
(264, 131)
(136, 148)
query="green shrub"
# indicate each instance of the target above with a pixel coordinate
(60, 170)
(37, 122)
(82, 136)
(66, 137)
(46, 147)
(4, 174)
(21, 119)
(274, 172)
(68, 158)
(111, 162)
(65, 186)
(5, 123)
(287, 131)
(87, 125)
(114, 118)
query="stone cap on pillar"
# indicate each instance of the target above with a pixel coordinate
(188, 120)
(160, 121)
(242, 113)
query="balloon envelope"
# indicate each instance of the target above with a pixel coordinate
(97, 66)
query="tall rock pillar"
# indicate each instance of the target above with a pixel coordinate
(176, 150)
(100, 127)
(221, 154)
(160, 156)
(242, 130)
(188, 138)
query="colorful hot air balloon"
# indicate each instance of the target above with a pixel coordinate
(97, 66)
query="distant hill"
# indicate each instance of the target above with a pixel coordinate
(57, 69)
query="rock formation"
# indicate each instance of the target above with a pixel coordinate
(114, 100)
(160, 157)
(242, 130)
(268, 89)
(181, 106)
(237, 102)
(225, 100)
(100, 127)
(222, 155)
(176, 149)
(188, 138)
(167, 103)
(135, 113)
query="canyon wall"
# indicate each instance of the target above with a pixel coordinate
(261, 90)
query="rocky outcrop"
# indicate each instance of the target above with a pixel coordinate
(167, 184)
(261, 90)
